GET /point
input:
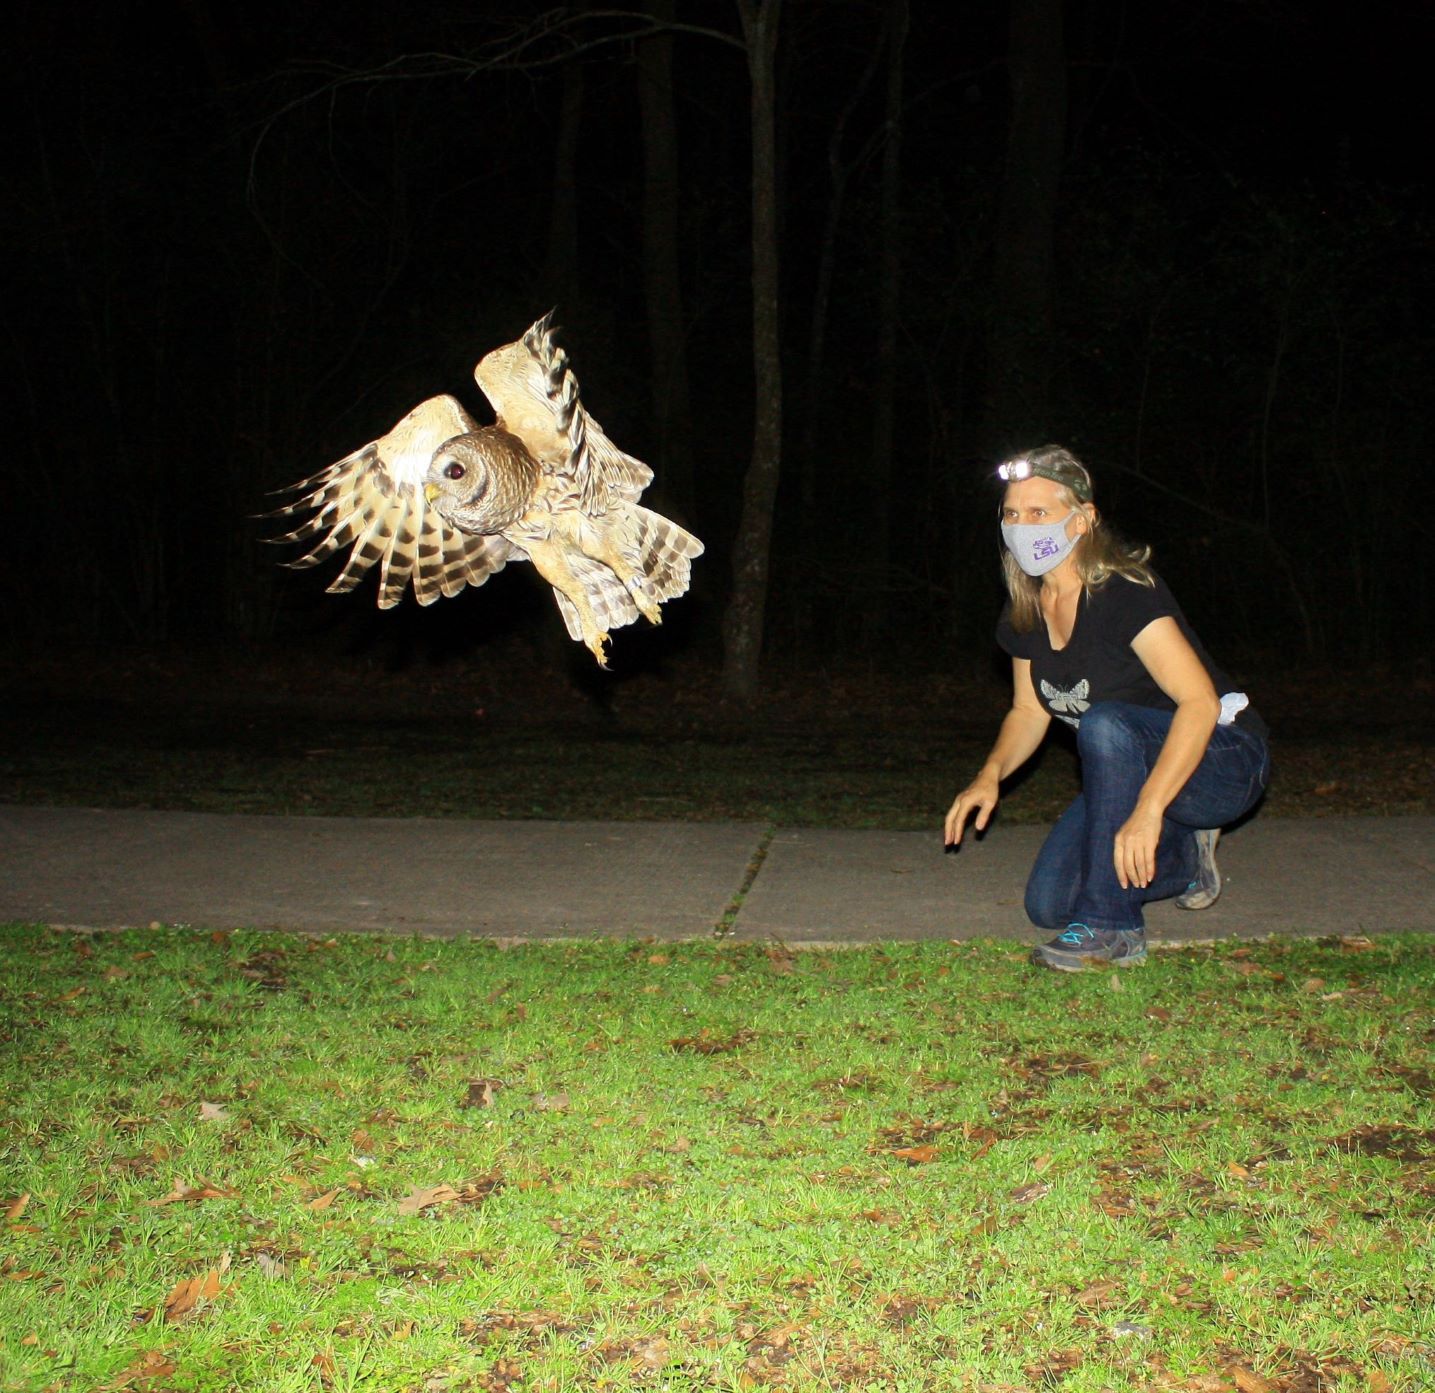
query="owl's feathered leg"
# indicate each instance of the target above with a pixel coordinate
(550, 561)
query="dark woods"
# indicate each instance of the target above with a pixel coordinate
(819, 263)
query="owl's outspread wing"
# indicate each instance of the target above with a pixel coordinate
(533, 392)
(373, 500)
(443, 502)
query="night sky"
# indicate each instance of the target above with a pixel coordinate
(245, 239)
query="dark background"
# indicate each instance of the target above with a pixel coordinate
(245, 239)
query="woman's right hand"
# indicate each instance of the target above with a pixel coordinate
(980, 797)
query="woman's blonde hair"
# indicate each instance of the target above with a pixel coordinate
(1099, 554)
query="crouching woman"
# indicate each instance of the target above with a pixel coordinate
(1170, 751)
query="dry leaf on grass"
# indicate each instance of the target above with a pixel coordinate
(1248, 1381)
(322, 1201)
(212, 1112)
(481, 1093)
(915, 1155)
(190, 1293)
(1025, 1194)
(150, 1366)
(551, 1102)
(17, 1207)
(430, 1196)
(707, 1043)
(419, 1200)
(193, 1194)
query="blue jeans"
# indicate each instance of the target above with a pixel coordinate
(1074, 879)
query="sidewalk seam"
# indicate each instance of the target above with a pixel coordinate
(727, 923)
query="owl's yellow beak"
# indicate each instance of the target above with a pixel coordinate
(431, 492)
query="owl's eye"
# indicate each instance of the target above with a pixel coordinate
(453, 470)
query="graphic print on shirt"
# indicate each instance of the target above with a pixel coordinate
(1064, 702)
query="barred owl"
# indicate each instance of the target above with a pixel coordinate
(441, 502)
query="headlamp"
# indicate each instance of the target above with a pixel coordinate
(1015, 470)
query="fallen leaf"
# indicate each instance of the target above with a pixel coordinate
(1311, 985)
(658, 959)
(323, 1201)
(189, 1293)
(481, 1093)
(1248, 1381)
(1099, 1293)
(707, 1043)
(419, 1200)
(1123, 1328)
(1025, 1194)
(151, 1365)
(192, 1194)
(915, 1155)
(779, 960)
(212, 1112)
(18, 1207)
(550, 1102)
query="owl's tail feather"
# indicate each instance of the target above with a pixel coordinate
(665, 553)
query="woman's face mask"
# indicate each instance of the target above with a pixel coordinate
(1039, 547)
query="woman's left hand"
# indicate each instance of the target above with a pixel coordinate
(1135, 850)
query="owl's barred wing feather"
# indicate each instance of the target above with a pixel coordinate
(534, 393)
(373, 502)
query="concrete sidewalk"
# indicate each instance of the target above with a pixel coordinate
(535, 880)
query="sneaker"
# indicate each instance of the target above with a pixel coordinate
(1205, 890)
(1080, 948)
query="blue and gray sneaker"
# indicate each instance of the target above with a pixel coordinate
(1080, 948)
(1205, 890)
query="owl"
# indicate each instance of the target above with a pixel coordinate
(441, 502)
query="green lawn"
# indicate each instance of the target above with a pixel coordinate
(247, 1161)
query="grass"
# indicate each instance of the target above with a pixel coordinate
(306, 733)
(261, 1162)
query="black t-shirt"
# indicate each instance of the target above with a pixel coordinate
(1098, 663)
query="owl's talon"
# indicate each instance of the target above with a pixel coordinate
(597, 645)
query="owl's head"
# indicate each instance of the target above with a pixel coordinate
(482, 481)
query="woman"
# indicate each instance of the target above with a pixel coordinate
(1169, 750)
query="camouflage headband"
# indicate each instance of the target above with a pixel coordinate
(1068, 477)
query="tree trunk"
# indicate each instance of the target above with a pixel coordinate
(811, 458)
(889, 290)
(662, 283)
(1020, 339)
(747, 605)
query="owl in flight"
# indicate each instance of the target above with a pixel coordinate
(443, 502)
